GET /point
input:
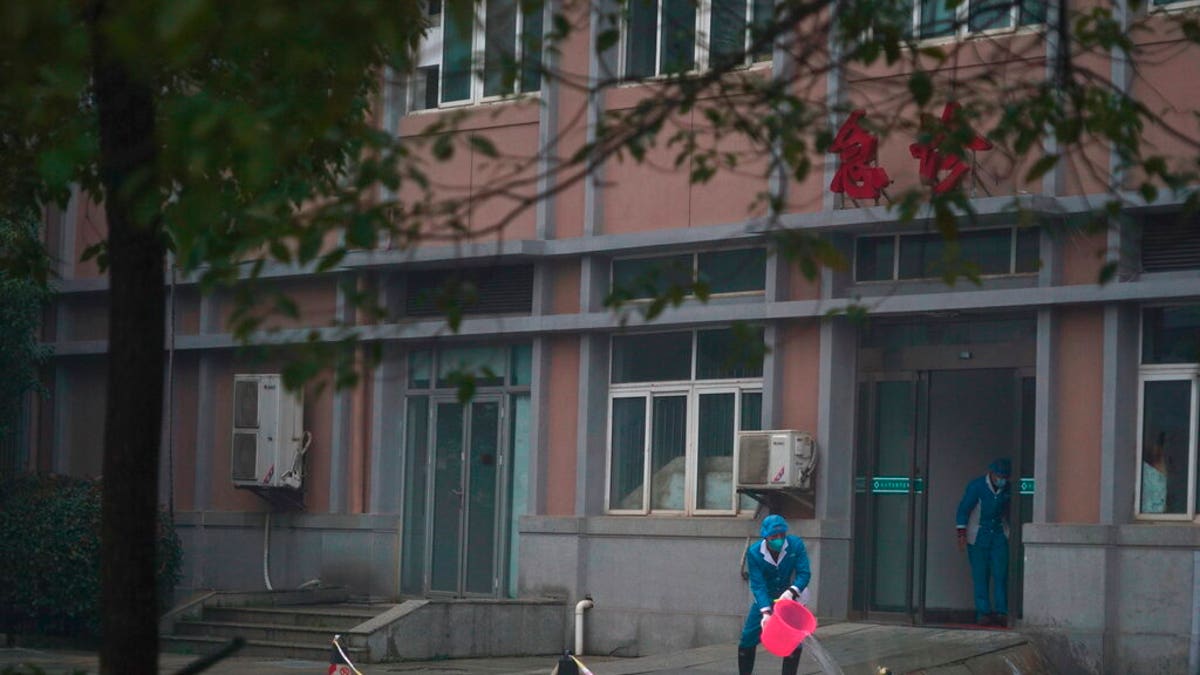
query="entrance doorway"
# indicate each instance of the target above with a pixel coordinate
(927, 426)
(455, 530)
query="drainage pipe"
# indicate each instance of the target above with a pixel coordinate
(580, 607)
(267, 551)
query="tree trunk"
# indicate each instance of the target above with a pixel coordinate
(128, 153)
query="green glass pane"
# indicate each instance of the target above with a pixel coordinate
(989, 250)
(1171, 334)
(733, 271)
(485, 364)
(678, 46)
(760, 21)
(1029, 254)
(937, 19)
(641, 39)
(727, 38)
(521, 364)
(989, 14)
(416, 467)
(668, 445)
(500, 47)
(921, 256)
(457, 34)
(874, 258)
(628, 453)
(653, 357)
(894, 428)
(1032, 12)
(482, 494)
(520, 434)
(447, 497)
(1166, 442)
(714, 483)
(531, 44)
(420, 369)
(639, 278)
(751, 411)
(729, 353)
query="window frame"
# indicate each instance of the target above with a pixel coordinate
(701, 48)
(1169, 373)
(693, 389)
(962, 24)
(898, 237)
(433, 52)
(695, 264)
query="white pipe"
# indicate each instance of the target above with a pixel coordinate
(267, 551)
(580, 606)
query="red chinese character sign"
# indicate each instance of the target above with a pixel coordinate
(944, 170)
(856, 176)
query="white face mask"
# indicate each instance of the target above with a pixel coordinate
(1001, 482)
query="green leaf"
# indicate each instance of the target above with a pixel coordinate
(483, 145)
(1041, 168)
(921, 87)
(443, 147)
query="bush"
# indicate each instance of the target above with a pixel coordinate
(50, 556)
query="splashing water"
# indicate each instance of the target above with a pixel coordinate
(813, 646)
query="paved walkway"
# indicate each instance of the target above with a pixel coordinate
(857, 648)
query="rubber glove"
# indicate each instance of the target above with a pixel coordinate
(790, 593)
(766, 614)
(961, 536)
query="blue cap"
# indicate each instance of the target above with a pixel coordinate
(1001, 467)
(772, 524)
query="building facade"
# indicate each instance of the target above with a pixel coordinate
(598, 455)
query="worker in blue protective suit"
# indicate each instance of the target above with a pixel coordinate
(778, 568)
(981, 526)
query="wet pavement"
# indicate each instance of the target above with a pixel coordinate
(857, 648)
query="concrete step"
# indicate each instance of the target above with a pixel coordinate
(337, 618)
(201, 645)
(264, 632)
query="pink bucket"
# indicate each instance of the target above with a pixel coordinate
(787, 627)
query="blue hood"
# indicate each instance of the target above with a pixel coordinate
(772, 524)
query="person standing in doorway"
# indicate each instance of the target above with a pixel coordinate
(981, 526)
(778, 568)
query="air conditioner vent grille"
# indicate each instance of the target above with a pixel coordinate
(244, 458)
(755, 457)
(245, 404)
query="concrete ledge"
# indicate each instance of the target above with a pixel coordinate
(254, 519)
(1157, 534)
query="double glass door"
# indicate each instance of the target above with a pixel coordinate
(454, 534)
(921, 437)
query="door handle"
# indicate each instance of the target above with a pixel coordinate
(456, 493)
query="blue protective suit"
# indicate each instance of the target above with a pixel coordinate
(769, 577)
(983, 512)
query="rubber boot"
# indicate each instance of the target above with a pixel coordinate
(746, 660)
(792, 663)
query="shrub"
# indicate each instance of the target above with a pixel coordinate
(50, 556)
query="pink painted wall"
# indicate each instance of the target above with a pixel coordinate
(1170, 91)
(565, 276)
(315, 297)
(84, 405)
(183, 436)
(1075, 447)
(470, 178)
(86, 316)
(1082, 257)
(800, 349)
(562, 413)
(91, 227)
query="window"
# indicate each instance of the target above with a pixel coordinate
(476, 51)
(677, 401)
(662, 37)
(1169, 385)
(722, 272)
(940, 18)
(991, 252)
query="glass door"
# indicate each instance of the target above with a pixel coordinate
(890, 491)
(464, 537)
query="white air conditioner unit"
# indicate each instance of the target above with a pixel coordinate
(776, 459)
(268, 434)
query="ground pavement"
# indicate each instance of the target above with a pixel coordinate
(857, 649)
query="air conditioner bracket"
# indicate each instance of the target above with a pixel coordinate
(775, 499)
(283, 499)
